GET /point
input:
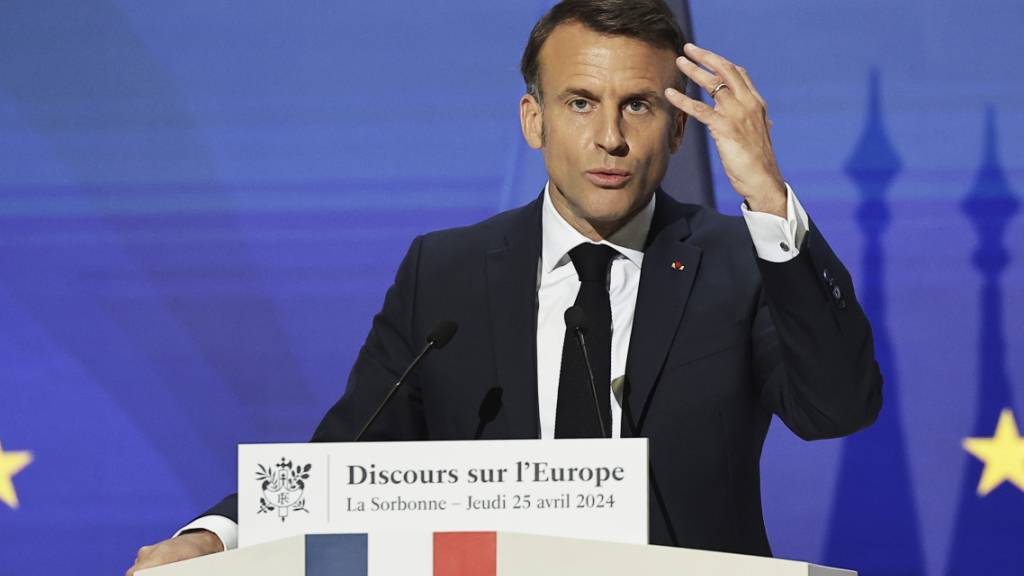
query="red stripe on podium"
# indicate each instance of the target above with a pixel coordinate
(465, 554)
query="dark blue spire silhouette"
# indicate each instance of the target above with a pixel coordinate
(874, 526)
(989, 530)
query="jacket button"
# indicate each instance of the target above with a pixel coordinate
(837, 293)
(827, 275)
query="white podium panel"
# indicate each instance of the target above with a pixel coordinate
(531, 555)
(594, 488)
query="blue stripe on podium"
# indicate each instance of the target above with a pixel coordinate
(327, 554)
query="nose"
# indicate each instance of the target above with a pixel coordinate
(609, 135)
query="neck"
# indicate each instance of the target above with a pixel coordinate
(593, 229)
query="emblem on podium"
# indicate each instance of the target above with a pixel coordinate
(282, 487)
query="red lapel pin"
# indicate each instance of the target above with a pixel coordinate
(677, 265)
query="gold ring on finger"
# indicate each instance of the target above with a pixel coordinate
(721, 86)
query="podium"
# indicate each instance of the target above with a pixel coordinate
(477, 554)
(552, 508)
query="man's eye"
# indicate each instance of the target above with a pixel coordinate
(638, 106)
(579, 104)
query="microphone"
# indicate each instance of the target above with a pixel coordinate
(438, 338)
(576, 320)
(442, 333)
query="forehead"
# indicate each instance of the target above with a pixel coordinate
(575, 56)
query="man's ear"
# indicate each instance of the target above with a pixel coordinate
(676, 137)
(531, 120)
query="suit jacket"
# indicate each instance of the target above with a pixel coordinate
(717, 347)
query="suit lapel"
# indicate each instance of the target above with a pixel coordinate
(666, 277)
(512, 298)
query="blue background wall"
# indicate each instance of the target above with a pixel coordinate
(201, 206)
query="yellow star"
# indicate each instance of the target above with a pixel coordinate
(10, 464)
(1003, 455)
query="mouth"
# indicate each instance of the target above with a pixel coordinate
(608, 177)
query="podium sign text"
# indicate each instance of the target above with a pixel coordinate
(593, 489)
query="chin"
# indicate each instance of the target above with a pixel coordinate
(614, 209)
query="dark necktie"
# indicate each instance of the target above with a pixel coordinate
(575, 415)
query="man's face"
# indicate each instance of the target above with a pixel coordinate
(605, 127)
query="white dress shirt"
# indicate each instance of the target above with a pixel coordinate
(775, 239)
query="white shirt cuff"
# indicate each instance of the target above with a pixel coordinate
(224, 528)
(778, 239)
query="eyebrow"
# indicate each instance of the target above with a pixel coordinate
(584, 93)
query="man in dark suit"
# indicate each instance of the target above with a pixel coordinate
(703, 326)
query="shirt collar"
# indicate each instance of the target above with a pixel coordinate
(559, 236)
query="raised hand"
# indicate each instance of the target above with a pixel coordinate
(739, 125)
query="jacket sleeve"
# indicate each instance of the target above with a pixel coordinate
(813, 348)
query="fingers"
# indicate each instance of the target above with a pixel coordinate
(188, 545)
(140, 559)
(702, 77)
(757, 95)
(711, 84)
(724, 69)
(736, 78)
(693, 108)
(737, 123)
(715, 63)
